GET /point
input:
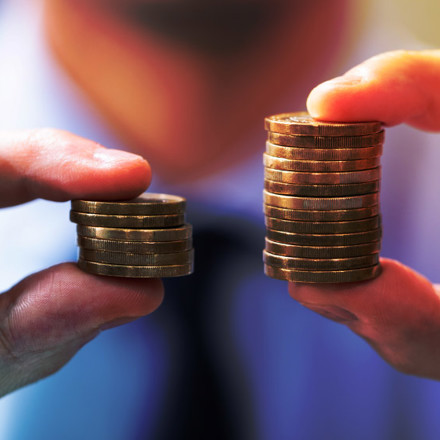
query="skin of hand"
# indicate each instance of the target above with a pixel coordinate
(47, 317)
(398, 313)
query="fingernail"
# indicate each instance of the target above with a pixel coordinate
(334, 313)
(111, 157)
(346, 80)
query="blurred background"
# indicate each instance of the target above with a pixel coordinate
(187, 84)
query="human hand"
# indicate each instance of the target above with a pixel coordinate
(46, 318)
(398, 313)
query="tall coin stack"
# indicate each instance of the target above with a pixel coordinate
(145, 237)
(321, 199)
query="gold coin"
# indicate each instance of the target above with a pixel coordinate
(323, 166)
(333, 178)
(326, 252)
(308, 276)
(321, 216)
(130, 259)
(324, 239)
(145, 204)
(166, 234)
(320, 264)
(301, 123)
(294, 153)
(116, 270)
(320, 203)
(302, 227)
(127, 221)
(327, 141)
(136, 247)
(350, 189)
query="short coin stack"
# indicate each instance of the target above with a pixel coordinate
(146, 237)
(321, 199)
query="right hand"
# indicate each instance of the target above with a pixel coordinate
(398, 313)
(46, 318)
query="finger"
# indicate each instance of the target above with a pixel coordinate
(394, 87)
(398, 312)
(48, 316)
(57, 165)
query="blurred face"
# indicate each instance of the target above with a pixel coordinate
(185, 82)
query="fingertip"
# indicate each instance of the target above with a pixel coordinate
(117, 175)
(334, 100)
(129, 163)
(58, 165)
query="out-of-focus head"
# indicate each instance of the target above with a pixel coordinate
(184, 81)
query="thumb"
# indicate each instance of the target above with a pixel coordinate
(398, 313)
(393, 87)
(49, 316)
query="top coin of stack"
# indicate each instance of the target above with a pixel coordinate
(321, 199)
(145, 237)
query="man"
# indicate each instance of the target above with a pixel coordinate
(166, 95)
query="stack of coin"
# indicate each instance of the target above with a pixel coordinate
(321, 199)
(145, 237)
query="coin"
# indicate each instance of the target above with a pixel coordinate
(301, 123)
(137, 247)
(329, 252)
(320, 264)
(326, 141)
(323, 166)
(324, 239)
(340, 276)
(323, 178)
(321, 216)
(319, 203)
(294, 153)
(117, 270)
(127, 221)
(166, 234)
(145, 204)
(322, 190)
(304, 227)
(131, 259)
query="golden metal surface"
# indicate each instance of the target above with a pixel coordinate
(323, 166)
(320, 264)
(327, 252)
(301, 123)
(324, 239)
(145, 204)
(131, 259)
(333, 178)
(341, 276)
(161, 234)
(301, 227)
(136, 247)
(350, 189)
(294, 153)
(127, 221)
(320, 203)
(116, 270)
(326, 141)
(321, 216)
